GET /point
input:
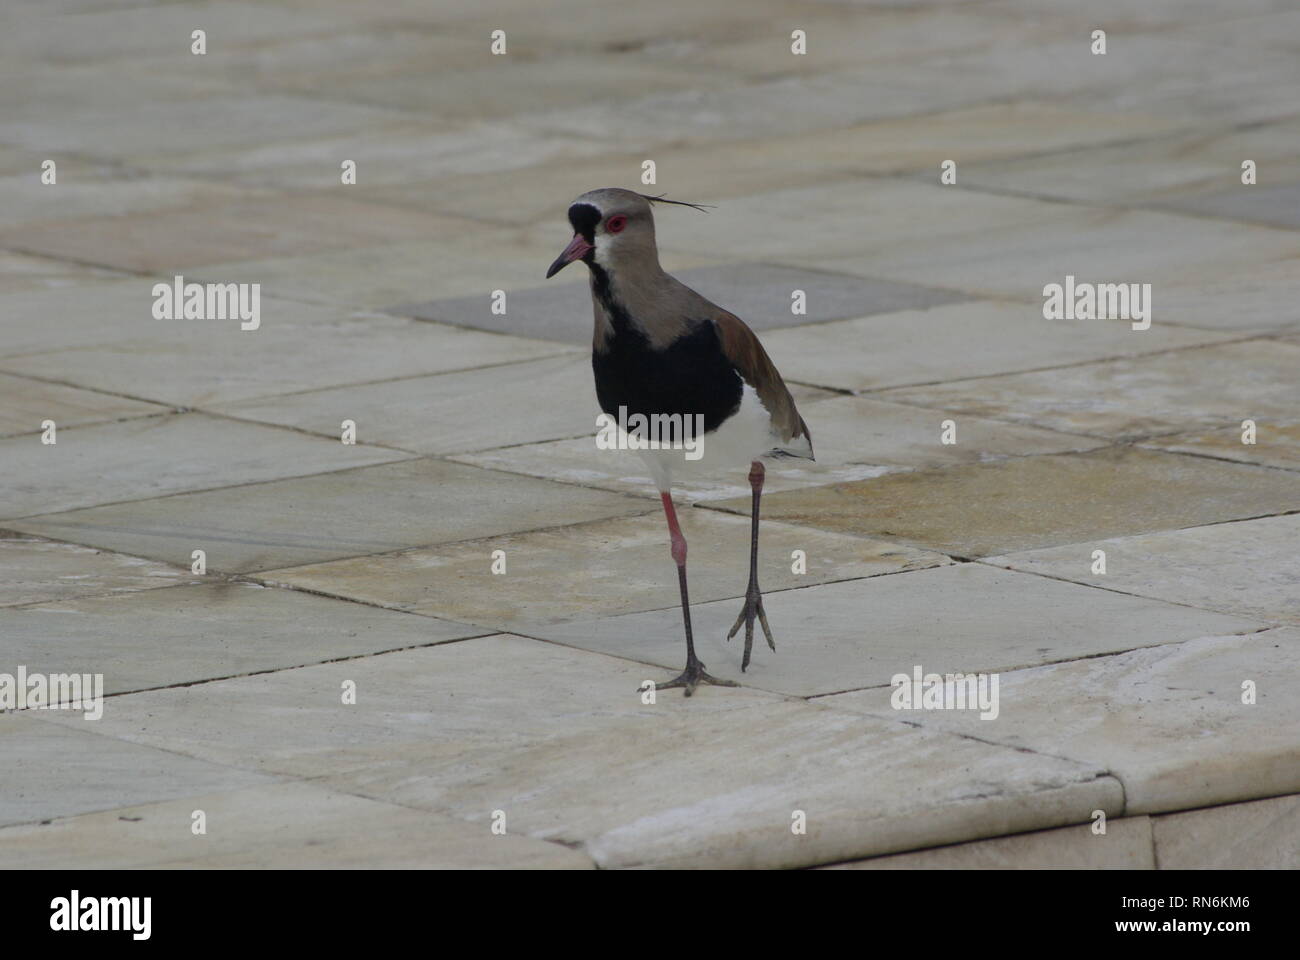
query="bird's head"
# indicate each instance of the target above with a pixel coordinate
(611, 227)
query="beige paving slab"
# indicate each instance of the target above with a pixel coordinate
(625, 29)
(158, 638)
(328, 516)
(391, 149)
(475, 91)
(1126, 845)
(579, 461)
(1146, 173)
(860, 633)
(110, 34)
(1033, 502)
(717, 172)
(1167, 720)
(674, 795)
(152, 456)
(121, 130)
(867, 430)
(57, 770)
(20, 272)
(369, 46)
(957, 341)
(1250, 568)
(597, 569)
(1148, 71)
(201, 362)
(479, 695)
(632, 783)
(294, 826)
(1092, 245)
(87, 312)
(848, 35)
(1156, 13)
(1260, 835)
(165, 240)
(86, 190)
(1267, 29)
(1277, 443)
(808, 103)
(25, 404)
(34, 571)
(471, 410)
(1249, 297)
(1217, 386)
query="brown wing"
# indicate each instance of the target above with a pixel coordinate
(741, 346)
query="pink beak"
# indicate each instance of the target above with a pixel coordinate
(576, 250)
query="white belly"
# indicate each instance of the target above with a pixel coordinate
(741, 439)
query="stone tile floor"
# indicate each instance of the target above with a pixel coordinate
(425, 648)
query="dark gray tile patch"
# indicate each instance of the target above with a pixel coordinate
(758, 293)
(1278, 205)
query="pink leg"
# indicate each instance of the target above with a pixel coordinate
(694, 673)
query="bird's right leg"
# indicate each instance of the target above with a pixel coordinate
(694, 673)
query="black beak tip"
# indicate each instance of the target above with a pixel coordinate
(556, 267)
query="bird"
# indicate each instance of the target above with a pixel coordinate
(661, 349)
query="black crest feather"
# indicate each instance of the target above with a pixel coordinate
(702, 207)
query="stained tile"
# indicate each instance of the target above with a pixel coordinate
(597, 569)
(1216, 386)
(34, 571)
(1169, 721)
(1033, 502)
(1249, 568)
(25, 404)
(344, 514)
(1276, 443)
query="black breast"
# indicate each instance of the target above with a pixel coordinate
(691, 376)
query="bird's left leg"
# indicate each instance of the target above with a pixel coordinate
(753, 598)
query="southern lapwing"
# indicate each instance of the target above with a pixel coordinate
(659, 348)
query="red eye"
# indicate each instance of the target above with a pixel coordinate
(615, 224)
